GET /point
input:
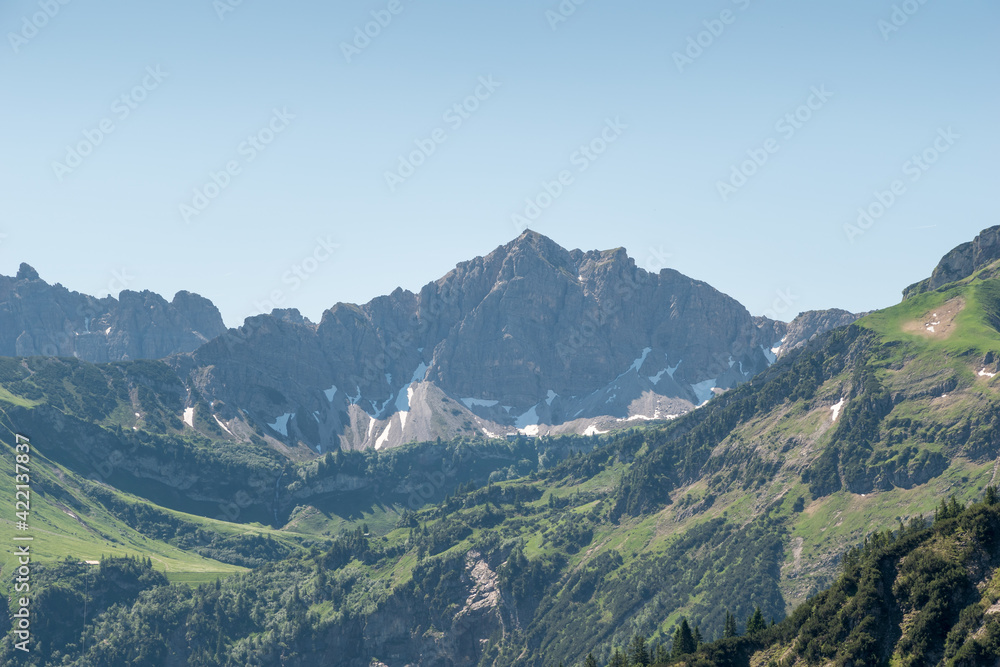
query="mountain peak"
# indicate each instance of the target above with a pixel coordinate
(532, 239)
(527, 249)
(961, 263)
(26, 272)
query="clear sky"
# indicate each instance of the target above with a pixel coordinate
(309, 128)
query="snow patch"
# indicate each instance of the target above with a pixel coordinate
(527, 424)
(592, 430)
(371, 425)
(383, 438)
(551, 397)
(403, 414)
(221, 425)
(775, 350)
(281, 424)
(655, 379)
(406, 394)
(703, 390)
(771, 355)
(379, 410)
(188, 416)
(637, 364)
(837, 408)
(986, 374)
(354, 399)
(656, 415)
(330, 393)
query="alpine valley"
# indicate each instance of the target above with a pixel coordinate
(545, 457)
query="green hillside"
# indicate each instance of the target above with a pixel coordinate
(914, 596)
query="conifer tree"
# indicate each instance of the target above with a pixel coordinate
(730, 630)
(638, 653)
(684, 643)
(756, 622)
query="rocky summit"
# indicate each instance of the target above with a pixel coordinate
(531, 339)
(961, 262)
(38, 319)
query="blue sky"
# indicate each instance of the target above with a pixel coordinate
(308, 135)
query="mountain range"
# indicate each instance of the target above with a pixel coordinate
(530, 339)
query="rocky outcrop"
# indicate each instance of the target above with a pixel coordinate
(813, 323)
(38, 319)
(962, 262)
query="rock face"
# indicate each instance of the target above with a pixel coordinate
(531, 338)
(961, 262)
(41, 319)
(812, 323)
